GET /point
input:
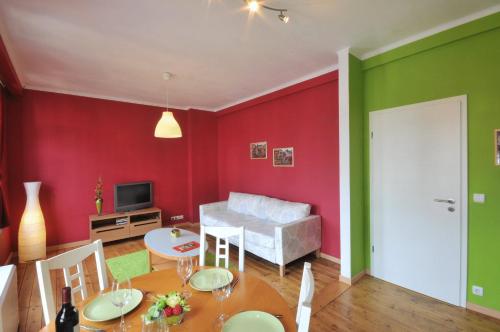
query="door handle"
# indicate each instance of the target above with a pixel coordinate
(442, 200)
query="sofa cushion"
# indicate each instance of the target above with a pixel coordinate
(257, 231)
(245, 203)
(284, 212)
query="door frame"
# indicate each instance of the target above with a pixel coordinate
(463, 188)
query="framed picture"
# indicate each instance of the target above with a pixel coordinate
(258, 150)
(497, 147)
(283, 157)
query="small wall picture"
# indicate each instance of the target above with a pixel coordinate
(283, 157)
(497, 147)
(258, 150)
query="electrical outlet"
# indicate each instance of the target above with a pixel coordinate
(477, 290)
(175, 218)
(478, 198)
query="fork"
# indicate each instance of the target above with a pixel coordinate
(235, 282)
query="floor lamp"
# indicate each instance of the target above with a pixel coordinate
(32, 236)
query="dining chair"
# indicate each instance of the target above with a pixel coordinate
(65, 261)
(223, 234)
(305, 299)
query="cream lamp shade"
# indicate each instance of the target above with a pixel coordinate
(32, 236)
(168, 127)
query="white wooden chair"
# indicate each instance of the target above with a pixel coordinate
(64, 261)
(223, 233)
(305, 299)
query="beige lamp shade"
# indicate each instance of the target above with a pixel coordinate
(168, 127)
(32, 236)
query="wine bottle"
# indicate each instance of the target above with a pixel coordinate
(67, 319)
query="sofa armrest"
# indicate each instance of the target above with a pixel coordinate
(217, 206)
(297, 239)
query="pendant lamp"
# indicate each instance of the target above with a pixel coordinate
(167, 126)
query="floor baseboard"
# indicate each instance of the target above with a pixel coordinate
(67, 245)
(330, 258)
(353, 280)
(9, 258)
(56, 247)
(483, 310)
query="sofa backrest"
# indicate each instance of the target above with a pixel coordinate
(245, 203)
(268, 208)
(284, 212)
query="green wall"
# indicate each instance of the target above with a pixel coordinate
(461, 61)
(356, 138)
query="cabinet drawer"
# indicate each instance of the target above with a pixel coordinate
(107, 234)
(141, 228)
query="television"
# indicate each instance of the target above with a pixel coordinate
(133, 196)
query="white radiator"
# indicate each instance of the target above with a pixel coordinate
(9, 315)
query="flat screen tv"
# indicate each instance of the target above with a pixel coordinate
(133, 196)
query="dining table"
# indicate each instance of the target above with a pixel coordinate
(250, 293)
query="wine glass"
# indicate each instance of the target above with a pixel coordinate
(121, 293)
(184, 271)
(221, 290)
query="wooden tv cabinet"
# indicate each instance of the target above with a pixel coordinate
(122, 225)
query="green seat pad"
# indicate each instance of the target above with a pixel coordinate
(210, 260)
(130, 265)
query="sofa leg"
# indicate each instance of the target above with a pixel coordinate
(318, 253)
(282, 270)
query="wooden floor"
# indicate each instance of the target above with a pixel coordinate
(370, 305)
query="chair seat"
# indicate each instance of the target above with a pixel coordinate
(257, 231)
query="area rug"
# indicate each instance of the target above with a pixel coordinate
(130, 265)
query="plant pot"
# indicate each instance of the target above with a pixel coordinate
(174, 320)
(98, 205)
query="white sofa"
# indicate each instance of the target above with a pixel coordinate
(276, 230)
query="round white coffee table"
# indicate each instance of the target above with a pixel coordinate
(159, 242)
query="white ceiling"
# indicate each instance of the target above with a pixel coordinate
(118, 49)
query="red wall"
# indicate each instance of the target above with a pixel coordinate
(5, 244)
(67, 142)
(202, 139)
(304, 116)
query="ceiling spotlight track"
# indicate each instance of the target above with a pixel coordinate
(254, 5)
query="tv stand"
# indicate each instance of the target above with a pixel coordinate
(123, 225)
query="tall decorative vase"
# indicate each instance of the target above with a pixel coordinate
(32, 236)
(98, 205)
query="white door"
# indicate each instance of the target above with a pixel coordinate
(418, 171)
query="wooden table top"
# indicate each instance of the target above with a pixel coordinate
(161, 243)
(251, 293)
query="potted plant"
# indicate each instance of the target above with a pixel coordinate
(171, 307)
(98, 196)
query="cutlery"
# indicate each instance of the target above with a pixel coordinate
(235, 281)
(91, 328)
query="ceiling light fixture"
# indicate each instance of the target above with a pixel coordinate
(168, 127)
(254, 5)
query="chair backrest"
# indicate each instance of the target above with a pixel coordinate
(223, 233)
(305, 299)
(64, 261)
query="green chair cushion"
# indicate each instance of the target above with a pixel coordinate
(130, 265)
(210, 260)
